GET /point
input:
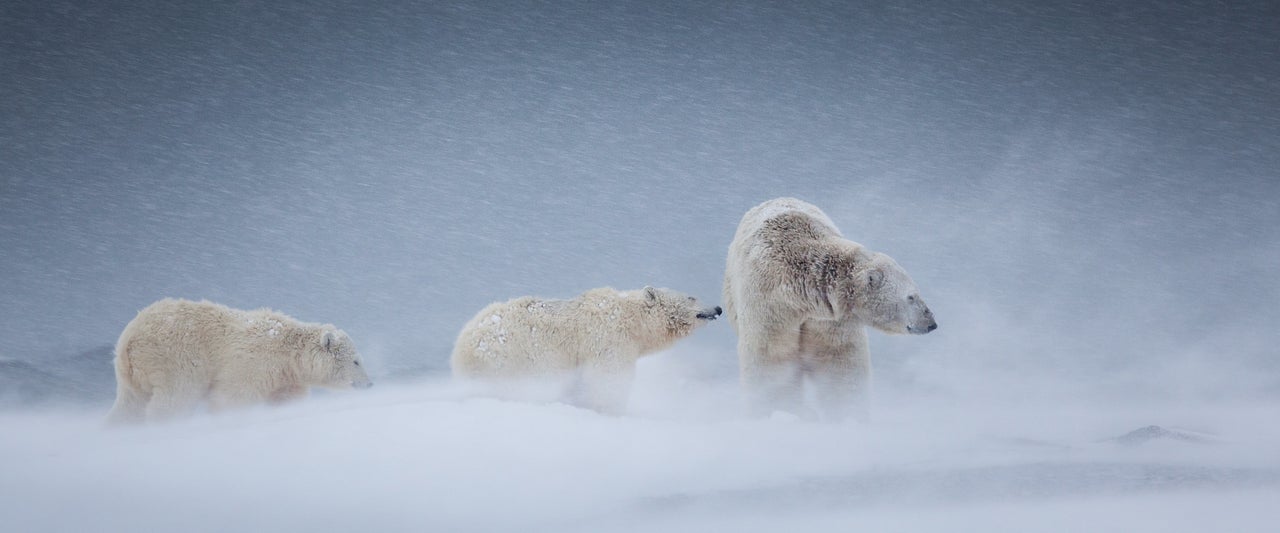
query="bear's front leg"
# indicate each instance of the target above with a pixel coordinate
(606, 384)
(838, 365)
(230, 397)
(287, 394)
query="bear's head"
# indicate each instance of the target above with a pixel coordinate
(337, 362)
(677, 313)
(880, 293)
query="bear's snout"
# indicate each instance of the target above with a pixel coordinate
(921, 330)
(711, 314)
(362, 384)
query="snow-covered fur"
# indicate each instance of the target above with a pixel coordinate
(591, 341)
(799, 295)
(177, 355)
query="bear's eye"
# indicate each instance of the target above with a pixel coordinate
(911, 298)
(357, 363)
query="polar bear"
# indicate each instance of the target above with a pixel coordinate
(178, 354)
(799, 296)
(590, 342)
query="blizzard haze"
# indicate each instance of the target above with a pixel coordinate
(1086, 194)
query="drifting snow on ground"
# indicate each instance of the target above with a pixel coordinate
(425, 456)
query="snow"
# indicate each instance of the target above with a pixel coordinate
(1085, 194)
(428, 456)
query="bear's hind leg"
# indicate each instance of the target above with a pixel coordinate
(772, 377)
(130, 406)
(170, 402)
(775, 387)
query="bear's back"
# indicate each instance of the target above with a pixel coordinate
(206, 329)
(179, 321)
(782, 217)
(266, 324)
(785, 233)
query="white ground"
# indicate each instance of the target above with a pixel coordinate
(422, 457)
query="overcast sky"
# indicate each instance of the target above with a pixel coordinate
(1075, 187)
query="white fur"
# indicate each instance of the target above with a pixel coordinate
(592, 341)
(800, 296)
(177, 355)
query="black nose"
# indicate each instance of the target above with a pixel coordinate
(704, 315)
(933, 326)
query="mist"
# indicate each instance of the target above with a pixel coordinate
(1086, 195)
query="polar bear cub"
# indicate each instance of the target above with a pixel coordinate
(800, 295)
(591, 342)
(177, 355)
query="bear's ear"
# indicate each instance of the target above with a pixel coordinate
(875, 278)
(329, 340)
(650, 295)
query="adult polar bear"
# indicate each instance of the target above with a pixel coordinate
(800, 296)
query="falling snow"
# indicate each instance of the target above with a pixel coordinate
(1086, 193)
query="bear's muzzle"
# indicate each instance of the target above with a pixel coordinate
(710, 314)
